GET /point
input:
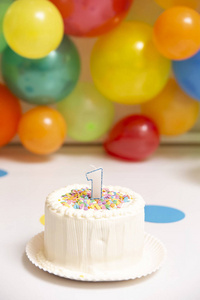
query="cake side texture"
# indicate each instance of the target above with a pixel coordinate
(94, 241)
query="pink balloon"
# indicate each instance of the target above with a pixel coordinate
(91, 17)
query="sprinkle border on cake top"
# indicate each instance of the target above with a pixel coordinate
(81, 199)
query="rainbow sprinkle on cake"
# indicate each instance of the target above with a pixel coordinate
(81, 199)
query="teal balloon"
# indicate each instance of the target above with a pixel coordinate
(4, 4)
(87, 113)
(42, 81)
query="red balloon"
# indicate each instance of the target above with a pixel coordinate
(91, 17)
(134, 138)
(10, 114)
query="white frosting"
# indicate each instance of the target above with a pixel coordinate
(94, 241)
(133, 206)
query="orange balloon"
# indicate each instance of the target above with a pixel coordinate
(42, 130)
(169, 3)
(172, 110)
(10, 114)
(177, 33)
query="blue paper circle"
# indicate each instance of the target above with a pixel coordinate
(3, 173)
(162, 214)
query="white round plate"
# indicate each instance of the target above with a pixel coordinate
(153, 258)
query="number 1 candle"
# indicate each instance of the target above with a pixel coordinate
(96, 178)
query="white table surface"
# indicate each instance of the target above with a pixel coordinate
(171, 177)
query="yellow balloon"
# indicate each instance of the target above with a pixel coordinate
(169, 3)
(125, 65)
(172, 110)
(33, 28)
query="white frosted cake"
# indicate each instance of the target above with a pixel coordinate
(94, 235)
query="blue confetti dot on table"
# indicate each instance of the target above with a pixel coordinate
(162, 214)
(3, 173)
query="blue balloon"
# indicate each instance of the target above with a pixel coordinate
(187, 74)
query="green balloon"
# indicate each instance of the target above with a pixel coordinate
(4, 4)
(87, 113)
(42, 81)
